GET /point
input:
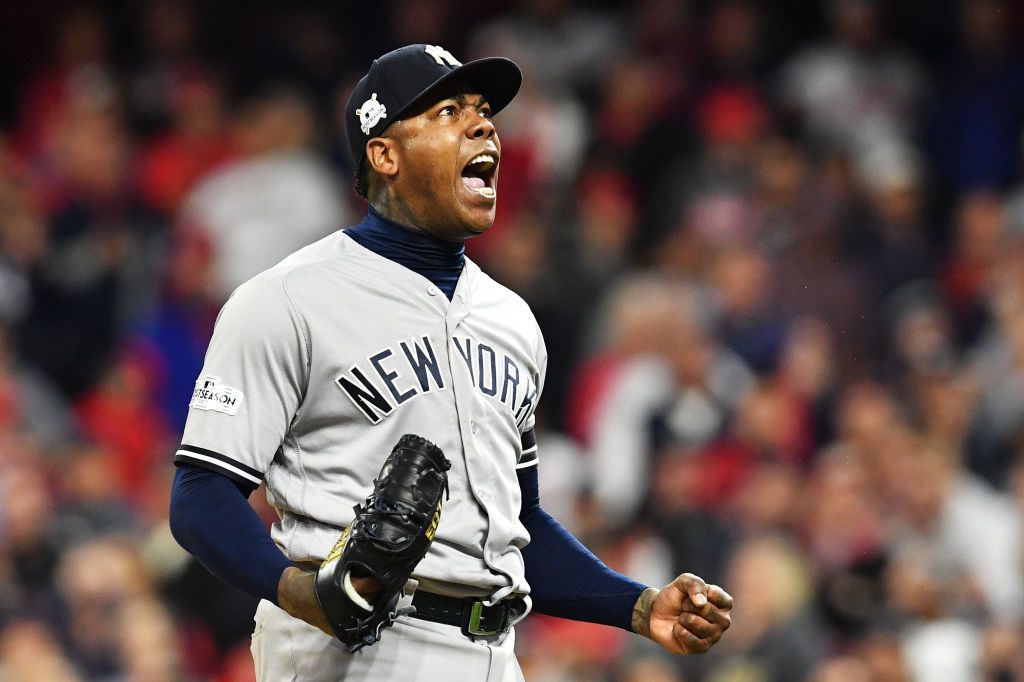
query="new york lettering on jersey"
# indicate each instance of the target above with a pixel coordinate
(409, 368)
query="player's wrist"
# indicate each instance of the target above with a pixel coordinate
(296, 595)
(641, 620)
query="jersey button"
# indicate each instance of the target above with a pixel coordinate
(472, 426)
(432, 290)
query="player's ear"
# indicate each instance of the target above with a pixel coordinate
(381, 156)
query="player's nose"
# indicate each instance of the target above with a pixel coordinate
(481, 129)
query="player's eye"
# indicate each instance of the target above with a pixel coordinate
(485, 111)
(447, 110)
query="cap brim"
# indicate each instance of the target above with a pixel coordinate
(496, 78)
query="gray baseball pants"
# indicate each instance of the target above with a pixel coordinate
(412, 650)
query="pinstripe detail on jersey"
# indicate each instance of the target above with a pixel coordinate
(210, 459)
(529, 456)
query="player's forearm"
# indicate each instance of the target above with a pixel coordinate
(566, 579)
(210, 517)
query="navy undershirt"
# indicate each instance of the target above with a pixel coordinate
(566, 580)
(211, 519)
(438, 260)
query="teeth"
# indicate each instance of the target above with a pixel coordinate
(481, 158)
(485, 191)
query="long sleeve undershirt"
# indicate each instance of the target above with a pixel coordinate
(211, 518)
(566, 579)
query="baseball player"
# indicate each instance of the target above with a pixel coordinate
(383, 388)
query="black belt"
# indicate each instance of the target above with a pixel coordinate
(470, 614)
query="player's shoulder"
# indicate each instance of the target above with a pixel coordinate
(490, 293)
(487, 287)
(301, 270)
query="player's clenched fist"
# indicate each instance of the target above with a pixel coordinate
(687, 616)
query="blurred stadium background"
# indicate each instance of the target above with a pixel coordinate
(776, 248)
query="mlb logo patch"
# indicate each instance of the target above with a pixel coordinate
(211, 394)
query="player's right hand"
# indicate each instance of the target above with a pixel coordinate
(687, 616)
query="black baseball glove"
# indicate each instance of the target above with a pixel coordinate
(390, 535)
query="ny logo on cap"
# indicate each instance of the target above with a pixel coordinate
(442, 55)
(370, 114)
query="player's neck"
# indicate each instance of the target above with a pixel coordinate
(378, 221)
(438, 260)
(381, 232)
(392, 208)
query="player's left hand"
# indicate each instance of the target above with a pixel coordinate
(687, 616)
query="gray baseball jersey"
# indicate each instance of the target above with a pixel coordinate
(319, 365)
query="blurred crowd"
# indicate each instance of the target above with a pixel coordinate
(776, 250)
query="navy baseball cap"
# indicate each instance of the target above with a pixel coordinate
(402, 79)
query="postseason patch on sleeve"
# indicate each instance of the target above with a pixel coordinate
(211, 394)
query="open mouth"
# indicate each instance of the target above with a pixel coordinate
(478, 175)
